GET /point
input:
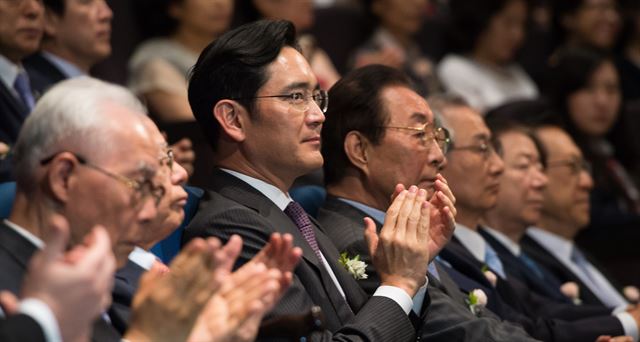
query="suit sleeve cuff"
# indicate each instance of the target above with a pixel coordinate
(628, 324)
(41, 313)
(403, 299)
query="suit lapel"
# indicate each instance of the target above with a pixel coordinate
(19, 248)
(12, 114)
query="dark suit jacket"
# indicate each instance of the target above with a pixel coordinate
(448, 317)
(12, 115)
(547, 286)
(558, 269)
(234, 207)
(543, 319)
(42, 73)
(15, 253)
(20, 328)
(124, 288)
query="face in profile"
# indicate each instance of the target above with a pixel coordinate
(282, 136)
(473, 166)
(21, 27)
(566, 199)
(90, 44)
(594, 108)
(522, 184)
(405, 153)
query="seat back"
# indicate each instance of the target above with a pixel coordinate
(7, 196)
(310, 197)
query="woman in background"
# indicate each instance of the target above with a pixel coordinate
(160, 66)
(486, 36)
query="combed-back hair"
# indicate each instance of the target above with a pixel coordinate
(235, 67)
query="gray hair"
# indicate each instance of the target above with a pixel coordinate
(71, 116)
(438, 103)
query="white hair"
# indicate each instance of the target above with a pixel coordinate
(71, 116)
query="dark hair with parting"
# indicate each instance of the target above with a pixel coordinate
(235, 67)
(500, 126)
(356, 106)
(55, 6)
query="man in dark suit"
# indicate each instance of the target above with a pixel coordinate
(259, 104)
(362, 166)
(564, 213)
(474, 170)
(20, 33)
(76, 37)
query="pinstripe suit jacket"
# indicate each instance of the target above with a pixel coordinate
(448, 318)
(234, 207)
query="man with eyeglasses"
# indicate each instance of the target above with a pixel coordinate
(259, 104)
(564, 213)
(391, 136)
(475, 177)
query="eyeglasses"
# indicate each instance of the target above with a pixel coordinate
(141, 189)
(575, 165)
(485, 149)
(300, 100)
(439, 134)
(169, 159)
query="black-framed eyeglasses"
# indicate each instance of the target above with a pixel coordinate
(426, 133)
(143, 189)
(485, 149)
(575, 165)
(300, 100)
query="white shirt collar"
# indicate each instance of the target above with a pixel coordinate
(36, 241)
(557, 245)
(513, 247)
(142, 258)
(472, 240)
(279, 198)
(68, 69)
(9, 71)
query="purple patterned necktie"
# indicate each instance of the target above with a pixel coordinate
(23, 88)
(299, 216)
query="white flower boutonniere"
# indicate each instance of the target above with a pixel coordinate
(354, 266)
(571, 290)
(477, 300)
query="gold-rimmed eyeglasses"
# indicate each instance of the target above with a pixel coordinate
(426, 133)
(575, 165)
(142, 189)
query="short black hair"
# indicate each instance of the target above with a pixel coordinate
(234, 67)
(355, 105)
(502, 126)
(56, 6)
(469, 19)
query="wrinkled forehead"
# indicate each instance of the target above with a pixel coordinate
(403, 105)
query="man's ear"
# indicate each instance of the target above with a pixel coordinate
(61, 176)
(232, 118)
(51, 21)
(356, 147)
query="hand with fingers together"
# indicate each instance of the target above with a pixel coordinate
(195, 274)
(443, 214)
(400, 253)
(234, 313)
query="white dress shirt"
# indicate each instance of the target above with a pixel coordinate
(509, 244)
(142, 258)
(33, 307)
(561, 249)
(68, 69)
(281, 200)
(8, 73)
(472, 241)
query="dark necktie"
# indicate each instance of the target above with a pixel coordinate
(531, 265)
(23, 88)
(297, 214)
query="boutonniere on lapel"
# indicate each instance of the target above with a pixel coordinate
(476, 300)
(571, 290)
(354, 266)
(491, 277)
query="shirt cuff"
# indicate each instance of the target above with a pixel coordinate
(628, 324)
(41, 313)
(619, 309)
(403, 299)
